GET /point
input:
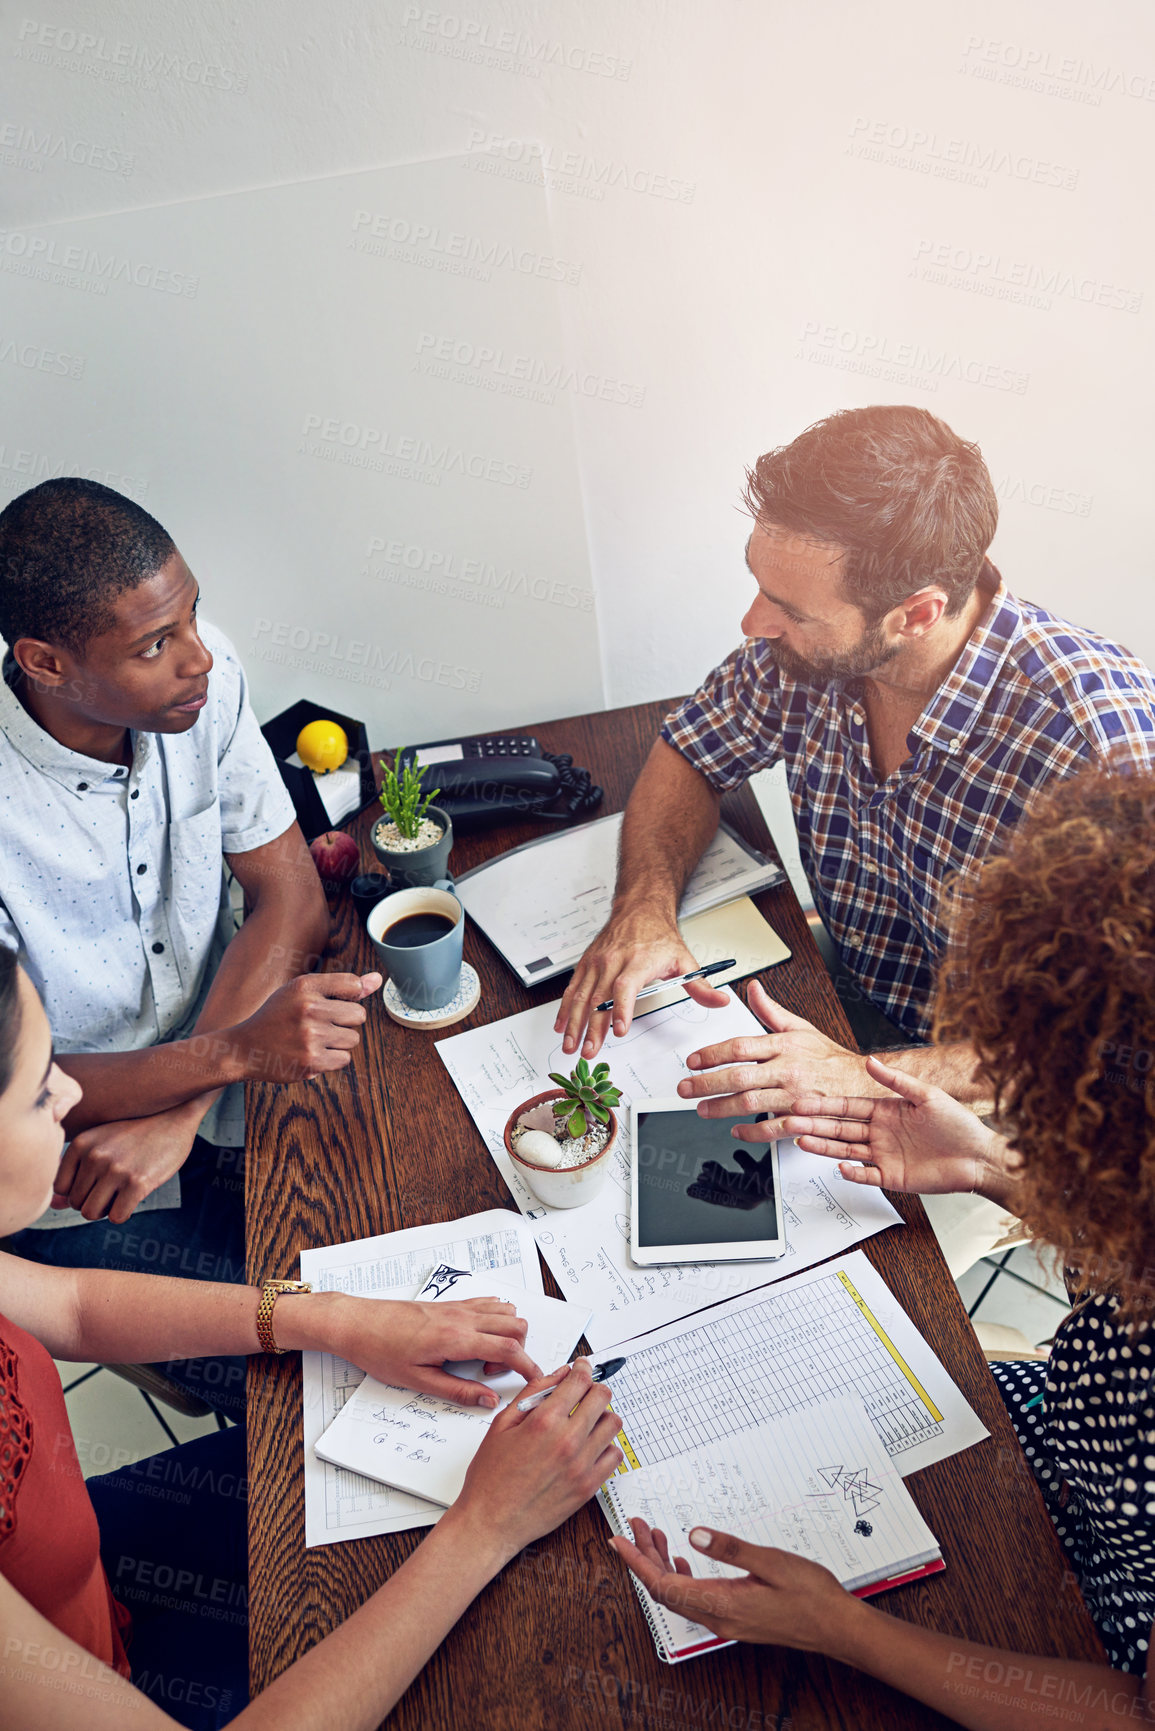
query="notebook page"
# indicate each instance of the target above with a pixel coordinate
(422, 1444)
(341, 1505)
(816, 1482)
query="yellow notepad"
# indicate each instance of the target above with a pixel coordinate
(735, 929)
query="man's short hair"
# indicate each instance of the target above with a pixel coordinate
(68, 549)
(910, 502)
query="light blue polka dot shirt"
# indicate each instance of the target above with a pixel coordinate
(111, 879)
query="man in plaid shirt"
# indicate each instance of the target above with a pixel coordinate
(917, 706)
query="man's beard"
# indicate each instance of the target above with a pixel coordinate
(871, 651)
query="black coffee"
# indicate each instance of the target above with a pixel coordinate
(416, 929)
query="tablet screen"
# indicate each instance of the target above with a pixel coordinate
(694, 1189)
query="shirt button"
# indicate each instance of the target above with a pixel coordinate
(952, 744)
(135, 794)
(158, 949)
(82, 787)
(141, 868)
(118, 773)
(868, 865)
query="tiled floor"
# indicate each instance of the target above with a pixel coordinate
(115, 1424)
(1019, 1288)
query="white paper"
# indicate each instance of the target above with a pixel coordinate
(339, 790)
(421, 1443)
(834, 1330)
(498, 1066)
(540, 904)
(340, 1504)
(815, 1482)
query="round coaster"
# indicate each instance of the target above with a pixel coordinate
(468, 994)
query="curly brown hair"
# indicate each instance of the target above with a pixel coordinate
(1051, 979)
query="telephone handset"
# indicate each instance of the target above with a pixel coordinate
(508, 775)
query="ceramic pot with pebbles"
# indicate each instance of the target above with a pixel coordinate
(417, 862)
(563, 1171)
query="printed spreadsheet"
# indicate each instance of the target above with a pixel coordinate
(783, 1349)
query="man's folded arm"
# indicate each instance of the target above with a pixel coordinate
(284, 935)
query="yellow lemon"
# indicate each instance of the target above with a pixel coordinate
(322, 746)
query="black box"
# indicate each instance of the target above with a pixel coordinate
(281, 733)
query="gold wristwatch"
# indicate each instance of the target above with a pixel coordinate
(271, 1290)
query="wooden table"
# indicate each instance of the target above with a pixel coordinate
(558, 1639)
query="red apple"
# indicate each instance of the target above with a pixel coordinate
(337, 858)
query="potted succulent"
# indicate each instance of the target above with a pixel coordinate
(561, 1141)
(414, 837)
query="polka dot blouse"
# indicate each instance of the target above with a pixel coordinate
(1091, 1443)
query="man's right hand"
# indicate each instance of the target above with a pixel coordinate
(303, 1028)
(632, 948)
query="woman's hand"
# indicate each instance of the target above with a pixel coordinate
(535, 1468)
(409, 1344)
(783, 1599)
(915, 1138)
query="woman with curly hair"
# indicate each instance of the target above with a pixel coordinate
(1051, 979)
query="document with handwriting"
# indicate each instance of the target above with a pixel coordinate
(816, 1481)
(345, 1505)
(498, 1066)
(422, 1444)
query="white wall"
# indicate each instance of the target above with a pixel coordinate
(750, 213)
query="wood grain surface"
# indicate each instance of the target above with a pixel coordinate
(558, 1640)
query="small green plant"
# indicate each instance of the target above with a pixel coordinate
(587, 1096)
(402, 798)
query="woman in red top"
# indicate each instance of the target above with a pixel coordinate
(66, 1655)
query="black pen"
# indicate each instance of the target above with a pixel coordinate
(660, 985)
(602, 1373)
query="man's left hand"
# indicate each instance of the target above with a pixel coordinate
(769, 1072)
(110, 1168)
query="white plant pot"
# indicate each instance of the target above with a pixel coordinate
(562, 1186)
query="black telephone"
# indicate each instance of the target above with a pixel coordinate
(509, 775)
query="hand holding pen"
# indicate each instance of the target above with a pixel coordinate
(656, 986)
(602, 1373)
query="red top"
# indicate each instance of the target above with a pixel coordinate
(49, 1540)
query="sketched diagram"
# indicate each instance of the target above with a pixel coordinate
(443, 1280)
(855, 1488)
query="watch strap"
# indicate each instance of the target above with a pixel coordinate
(271, 1290)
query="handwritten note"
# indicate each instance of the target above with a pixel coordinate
(421, 1444)
(816, 1482)
(345, 1505)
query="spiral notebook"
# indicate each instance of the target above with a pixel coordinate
(817, 1482)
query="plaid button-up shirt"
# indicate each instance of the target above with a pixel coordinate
(1029, 698)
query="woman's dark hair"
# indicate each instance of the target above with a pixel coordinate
(1051, 980)
(909, 501)
(10, 1015)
